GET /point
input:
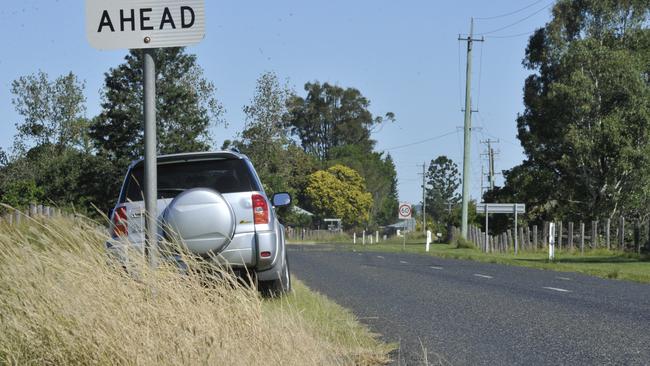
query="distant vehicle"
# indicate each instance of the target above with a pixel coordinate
(215, 204)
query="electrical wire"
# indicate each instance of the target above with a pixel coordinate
(512, 12)
(513, 35)
(419, 142)
(517, 22)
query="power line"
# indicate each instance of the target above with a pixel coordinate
(512, 12)
(420, 142)
(517, 22)
(513, 35)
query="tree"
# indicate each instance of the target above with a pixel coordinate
(185, 105)
(281, 165)
(330, 116)
(53, 111)
(586, 126)
(442, 182)
(339, 192)
(380, 176)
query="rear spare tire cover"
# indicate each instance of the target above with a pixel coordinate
(202, 219)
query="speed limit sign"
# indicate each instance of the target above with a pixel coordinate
(405, 211)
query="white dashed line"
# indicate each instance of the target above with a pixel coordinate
(438, 268)
(482, 276)
(563, 278)
(404, 262)
(556, 289)
(380, 257)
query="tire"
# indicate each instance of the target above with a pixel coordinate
(278, 287)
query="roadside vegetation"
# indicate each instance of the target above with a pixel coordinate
(64, 301)
(601, 262)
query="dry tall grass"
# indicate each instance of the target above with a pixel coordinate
(63, 301)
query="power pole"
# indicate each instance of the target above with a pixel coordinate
(490, 154)
(467, 127)
(424, 199)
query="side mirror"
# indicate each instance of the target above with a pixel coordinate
(281, 199)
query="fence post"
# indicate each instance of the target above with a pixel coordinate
(637, 234)
(559, 235)
(570, 235)
(545, 234)
(621, 234)
(354, 238)
(607, 232)
(582, 238)
(535, 235)
(377, 236)
(594, 234)
(17, 216)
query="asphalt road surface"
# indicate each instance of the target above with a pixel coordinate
(469, 313)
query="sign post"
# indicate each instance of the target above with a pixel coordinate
(150, 158)
(501, 208)
(405, 212)
(147, 25)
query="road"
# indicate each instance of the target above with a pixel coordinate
(470, 313)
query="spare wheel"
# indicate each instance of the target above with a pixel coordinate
(202, 219)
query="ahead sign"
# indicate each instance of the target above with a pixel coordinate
(144, 23)
(405, 211)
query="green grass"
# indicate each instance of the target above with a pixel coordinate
(352, 340)
(601, 263)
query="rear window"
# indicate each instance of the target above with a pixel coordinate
(225, 176)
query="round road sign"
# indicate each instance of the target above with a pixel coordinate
(405, 211)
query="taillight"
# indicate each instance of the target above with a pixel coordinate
(260, 210)
(120, 225)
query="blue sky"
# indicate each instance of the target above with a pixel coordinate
(404, 56)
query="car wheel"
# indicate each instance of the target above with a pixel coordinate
(278, 287)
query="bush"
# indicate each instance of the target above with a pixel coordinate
(460, 243)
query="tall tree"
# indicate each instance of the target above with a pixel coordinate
(185, 104)
(442, 182)
(586, 127)
(282, 166)
(52, 110)
(330, 116)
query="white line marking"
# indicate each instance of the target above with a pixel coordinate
(563, 278)
(434, 267)
(556, 289)
(482, 276)
(380, 257)
(404, 262)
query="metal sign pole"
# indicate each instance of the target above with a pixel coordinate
(516, 234)
(487, 237)
(150, 157)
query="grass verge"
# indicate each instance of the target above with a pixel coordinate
(64, 301)
(601, 263)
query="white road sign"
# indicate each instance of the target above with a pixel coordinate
(501, 208)
(405, 211)
(118, 24)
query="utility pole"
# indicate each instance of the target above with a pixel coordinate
(490, 154)
(424, 199)
(467, 127)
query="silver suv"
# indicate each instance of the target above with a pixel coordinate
(214, 202)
